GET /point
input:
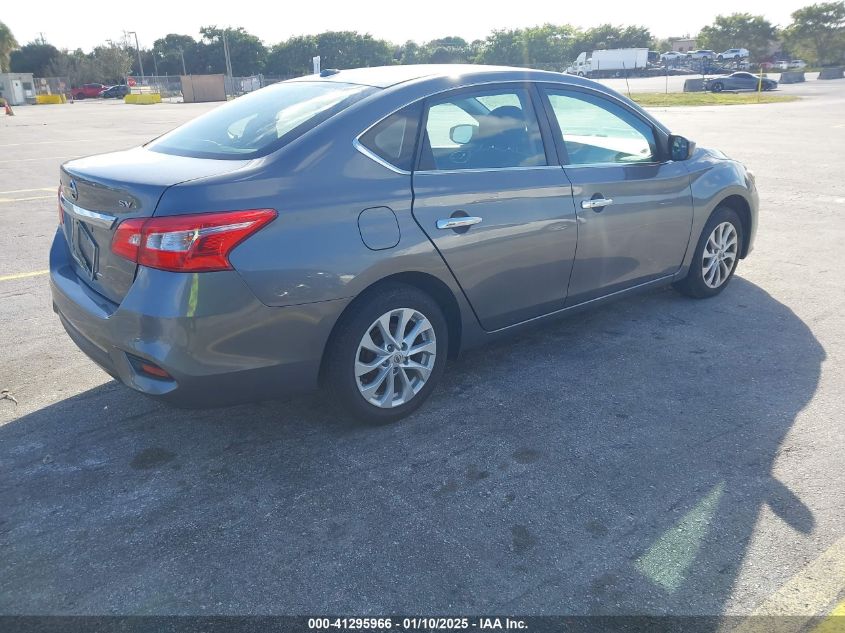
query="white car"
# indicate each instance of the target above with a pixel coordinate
(671, 56)
(701, 54)
(798, 64)
(733, 54)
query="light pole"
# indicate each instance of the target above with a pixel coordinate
(138, 48)
(182, 55)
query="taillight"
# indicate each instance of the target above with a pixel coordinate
(200, 242)
(61, 209)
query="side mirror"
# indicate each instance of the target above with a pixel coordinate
(680, 148)
(462, 134)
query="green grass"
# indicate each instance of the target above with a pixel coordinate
(707, 98)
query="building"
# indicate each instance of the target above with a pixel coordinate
(17, 88)
(683, 45)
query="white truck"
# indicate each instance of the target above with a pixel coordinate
(610, 63)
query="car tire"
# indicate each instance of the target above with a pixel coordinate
(717, 87)
(716, 256)
(399, 382)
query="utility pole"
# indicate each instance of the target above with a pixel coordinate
(138, 48)
(182, 55)
(226, 54)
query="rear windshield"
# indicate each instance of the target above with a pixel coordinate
(260, 122)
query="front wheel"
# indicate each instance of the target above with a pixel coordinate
(716, 256)
(387, 354)
(717, 87)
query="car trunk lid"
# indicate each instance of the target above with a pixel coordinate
(99, 192)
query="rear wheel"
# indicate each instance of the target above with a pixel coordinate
(718, 87)
(387, 354)
(716, 256)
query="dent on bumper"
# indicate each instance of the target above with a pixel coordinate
(207, 330)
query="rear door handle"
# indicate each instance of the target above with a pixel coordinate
(457, 222)
(596, 203)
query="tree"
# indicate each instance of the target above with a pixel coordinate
(292, 57)
(446, 50)
(77, 66)
(350, 49)
(171, 49)
(744, 30)
(607, 36)
(817, 32)
(8, 43)
(247, 52)
(112, 61)
(411, 53)
(33, 58)
(548, 46)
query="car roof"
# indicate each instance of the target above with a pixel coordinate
(422, 78)
(387, 76)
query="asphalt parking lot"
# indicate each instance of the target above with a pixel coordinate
(660, 455)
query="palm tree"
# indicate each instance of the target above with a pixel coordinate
(8, 43)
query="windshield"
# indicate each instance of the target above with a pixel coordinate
(260, 122)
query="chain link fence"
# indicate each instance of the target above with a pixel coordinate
(170, 86)
(52, 86)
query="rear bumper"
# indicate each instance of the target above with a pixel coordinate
(208, 331)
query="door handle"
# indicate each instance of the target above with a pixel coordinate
(457, 222)
(596, 203)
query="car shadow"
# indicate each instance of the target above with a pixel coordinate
(613, 463)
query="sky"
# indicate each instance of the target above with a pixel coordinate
(87, 23)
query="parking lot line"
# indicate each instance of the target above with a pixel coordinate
(27, 198)
(5, 193)
(805, 596)
(834, 622)
(34, 273)
(22, 160)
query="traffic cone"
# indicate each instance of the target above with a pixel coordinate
(9, 111)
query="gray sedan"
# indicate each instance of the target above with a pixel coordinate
(355, 229)
(740, 81)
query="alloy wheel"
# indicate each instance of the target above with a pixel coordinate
(719, 255)
(395, 357)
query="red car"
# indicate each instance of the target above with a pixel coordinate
(88, 91)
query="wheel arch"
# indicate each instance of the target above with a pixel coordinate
(741, 207)
(425, 282)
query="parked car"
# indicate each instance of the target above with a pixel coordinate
(115, 92)
(671, 56)
(733, 54)
(739, 81)
(702, 54)
(798, 64)
(356, 228)
(88, 91)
